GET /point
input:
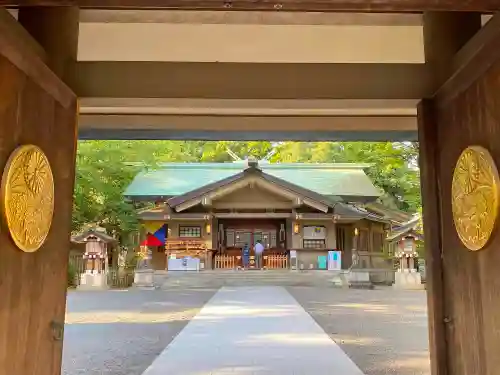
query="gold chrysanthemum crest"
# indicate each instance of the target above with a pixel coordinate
(28, 197)
(475, 197)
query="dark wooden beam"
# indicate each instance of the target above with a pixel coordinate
(288, 5)
(248, 18)
(56, 29)
(472, 61)
(212, 135)
(23, 52)
(445, 33)
(250, 80)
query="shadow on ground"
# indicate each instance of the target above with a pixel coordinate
(122, 332)
(384, 331)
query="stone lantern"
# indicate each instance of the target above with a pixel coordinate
(95, 270)
(407, 254)
(404, 242)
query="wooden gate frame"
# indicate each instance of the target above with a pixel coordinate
(36, 107)
(461, 66)
(457, 63)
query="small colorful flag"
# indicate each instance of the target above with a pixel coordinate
(156, 234)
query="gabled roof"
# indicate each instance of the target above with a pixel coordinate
(394, 215)
(406, 229)
(82, 237)
(347, 182)
(285, 185)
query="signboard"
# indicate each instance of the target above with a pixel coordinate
(322, 261)
(334, 260)
(293, 259)
(408, 244)
(184, 264)
(314, 233)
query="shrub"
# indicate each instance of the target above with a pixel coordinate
(72, 274)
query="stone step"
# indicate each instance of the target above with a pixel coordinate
(244, 278)
(358, 279)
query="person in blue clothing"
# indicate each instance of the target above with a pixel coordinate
(245, 256)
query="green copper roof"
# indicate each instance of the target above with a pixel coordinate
(173, 179)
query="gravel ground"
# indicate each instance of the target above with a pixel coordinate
(122, 332)
(383, 331)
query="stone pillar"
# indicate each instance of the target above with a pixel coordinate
(289, 233)
(144, 273)
(36, 108)
(215, 244)
(355, 256)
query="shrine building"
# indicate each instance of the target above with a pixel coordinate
(209, 211)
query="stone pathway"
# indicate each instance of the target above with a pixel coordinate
(252, 330)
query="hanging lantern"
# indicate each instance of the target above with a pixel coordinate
(208, 228)
(296, 228)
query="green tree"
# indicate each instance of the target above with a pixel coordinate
(106, 168)
(393, 165)
(217, 151)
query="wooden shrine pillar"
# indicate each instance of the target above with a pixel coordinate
(463, 284)
(36, 108)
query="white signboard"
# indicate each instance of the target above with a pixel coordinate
(293, 259)
(314, 233)
(184, 264)
(334, 260)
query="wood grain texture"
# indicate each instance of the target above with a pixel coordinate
(18, 48)
(33, 286)
(56, 29)
(470, 283)
(135, 79)
(445, 33)
(429, 157)
(472, 61)
(290, 5)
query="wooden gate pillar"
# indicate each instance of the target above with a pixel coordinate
(428, 144)
(36, 108)
(463, 285)
(444, 34)
(56, 30)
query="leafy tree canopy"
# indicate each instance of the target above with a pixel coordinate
(106, 168)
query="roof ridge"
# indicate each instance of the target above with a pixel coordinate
(171, 179)
(241, 165)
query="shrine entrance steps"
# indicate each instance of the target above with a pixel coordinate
(220, 278)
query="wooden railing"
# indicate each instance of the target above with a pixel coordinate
(224, 262)
(276, 261)
(120, 278)
(116, 278)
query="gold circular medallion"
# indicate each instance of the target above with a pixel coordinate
(28, 197)
(475, 197)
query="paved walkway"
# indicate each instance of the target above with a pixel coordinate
(252, 330)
